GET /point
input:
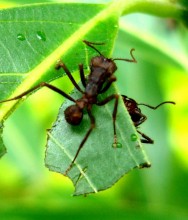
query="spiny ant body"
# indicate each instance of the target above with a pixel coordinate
(99, 80)
(137, 117)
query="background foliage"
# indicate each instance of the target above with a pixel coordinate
(29, 191)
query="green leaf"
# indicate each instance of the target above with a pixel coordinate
(39, 35)
(98, 165)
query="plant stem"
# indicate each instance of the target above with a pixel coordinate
(162, 8)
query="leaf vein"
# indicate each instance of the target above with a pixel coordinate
(71, 158)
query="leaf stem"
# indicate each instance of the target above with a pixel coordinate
(162, 8)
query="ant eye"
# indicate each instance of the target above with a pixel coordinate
(73, 115)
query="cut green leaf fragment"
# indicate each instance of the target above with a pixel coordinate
(99, 165)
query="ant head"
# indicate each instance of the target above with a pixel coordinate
(73, 115)
(105, 63)
(101, 61)
(109, 64)
(135, 112)
(131, 105)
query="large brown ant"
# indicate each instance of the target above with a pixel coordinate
(137, 117)
(99, 80)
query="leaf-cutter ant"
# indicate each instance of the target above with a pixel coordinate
(99, 80)
(137, 117)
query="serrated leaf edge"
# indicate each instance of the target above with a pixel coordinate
(76, 164)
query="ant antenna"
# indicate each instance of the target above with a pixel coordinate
(155, 107)
(90, 44)
(128, 60)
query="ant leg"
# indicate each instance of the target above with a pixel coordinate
(59, 65)
(83, 79)
(42, 84)
(105, 101)
(92, 125)
(146, 140)
(142, 119)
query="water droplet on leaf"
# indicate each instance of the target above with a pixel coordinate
(21, 37)
(41, 35)
(134, 137)
(117, 145)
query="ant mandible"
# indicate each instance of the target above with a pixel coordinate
(137, 117)
(99, 80)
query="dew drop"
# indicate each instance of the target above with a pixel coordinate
(134, 137)
(41, 35)
(117, 145)
(21, 37)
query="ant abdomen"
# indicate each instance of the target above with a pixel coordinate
(73, 115)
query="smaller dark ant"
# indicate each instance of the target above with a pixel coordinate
(137, 117)
(99, 80)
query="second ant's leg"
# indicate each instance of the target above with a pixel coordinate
(59, 65)
(142, 119)
(146, 140)
(55, 89)
(92, 120)
(103, 102)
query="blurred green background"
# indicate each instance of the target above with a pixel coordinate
(29, 191)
